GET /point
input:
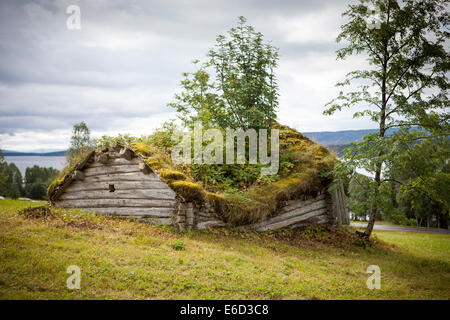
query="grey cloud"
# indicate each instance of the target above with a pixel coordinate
(127, 60)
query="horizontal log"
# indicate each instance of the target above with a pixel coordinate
(269, 225)
(322, 219)
(118, 185)
(133, 212)
(125, 168)
(163, 194)
(210, 223)
(130, 176)
(111, 162)
(321, 204)
(108, 203)
(295, 204)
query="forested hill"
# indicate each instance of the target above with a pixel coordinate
(338, 138)
(11, 153)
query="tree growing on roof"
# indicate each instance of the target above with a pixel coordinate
(236, 87)
(80, 142)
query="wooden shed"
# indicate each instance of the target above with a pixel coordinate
(119, 181)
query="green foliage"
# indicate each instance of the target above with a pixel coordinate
(178, 245)
(419, 166)
(405, 84)
(3, 176)
(358, 201)
(80, 142)
(236, 87)
(11, 184)
(37, 180)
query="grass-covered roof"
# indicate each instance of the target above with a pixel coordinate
(238, 193)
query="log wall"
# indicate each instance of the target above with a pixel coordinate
(115, 185)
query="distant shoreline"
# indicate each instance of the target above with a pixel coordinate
(23, 162)
(34, 154)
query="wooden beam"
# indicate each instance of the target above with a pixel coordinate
(78, 175)
(117, 203)
(163, 194)
(126, 153)
(133, 212)
(102, 158)
(95, 171)
(125, 176)
(118, 185)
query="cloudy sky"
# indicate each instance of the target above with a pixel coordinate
(121, 69)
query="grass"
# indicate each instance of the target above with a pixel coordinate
(123, 259)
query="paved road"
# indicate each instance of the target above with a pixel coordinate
(399, 228)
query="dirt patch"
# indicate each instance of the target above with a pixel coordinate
(42, 212)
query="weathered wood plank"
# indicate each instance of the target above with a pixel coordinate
(210, 223)
(125, 168)
(118, 194)
(111, 162)
(321, 204)
(134, 212)
(105, 203)
(322, 219)
(118, 185)
(130, 176)
(291, 221)
(296, 204)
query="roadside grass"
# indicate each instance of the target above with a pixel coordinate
(124, 259)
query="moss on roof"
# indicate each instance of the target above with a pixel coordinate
(305, 170)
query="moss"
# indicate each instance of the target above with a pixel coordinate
(169, 175)
(189, 191)
(155, 163)
(218, 202)
(143, 149)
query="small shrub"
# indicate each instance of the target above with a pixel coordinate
(178, 245)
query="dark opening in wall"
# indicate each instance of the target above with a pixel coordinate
(111, 188)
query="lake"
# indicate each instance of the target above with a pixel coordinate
(22, 162)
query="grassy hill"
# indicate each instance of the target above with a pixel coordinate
(124, 259)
